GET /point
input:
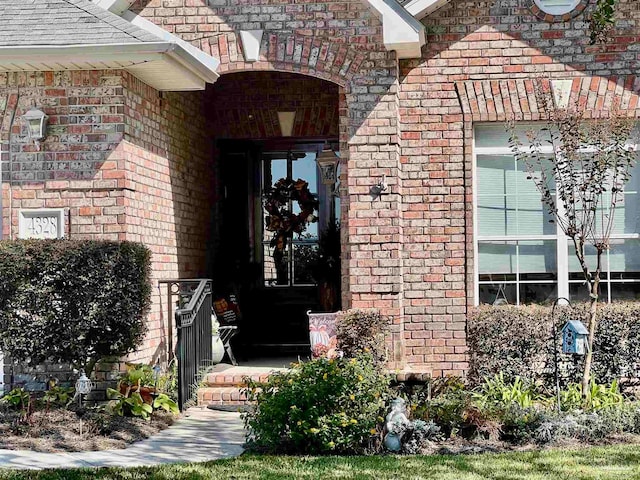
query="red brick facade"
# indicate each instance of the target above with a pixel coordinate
(125, 162)
(130, 163)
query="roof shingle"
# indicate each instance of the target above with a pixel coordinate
(64, 22)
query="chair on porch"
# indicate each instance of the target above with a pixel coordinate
(227, 313)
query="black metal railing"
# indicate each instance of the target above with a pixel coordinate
(193, 324)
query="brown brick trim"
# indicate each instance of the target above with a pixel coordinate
(499, 100)
(8, 106)
(332, 61)
(542, 15)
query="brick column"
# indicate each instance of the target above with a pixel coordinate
(372, 245)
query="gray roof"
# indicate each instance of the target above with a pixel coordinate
(64, 22)
(577, 327)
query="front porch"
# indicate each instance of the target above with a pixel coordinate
(221, 387)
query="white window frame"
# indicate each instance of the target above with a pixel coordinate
(562, 241)
(553, 8)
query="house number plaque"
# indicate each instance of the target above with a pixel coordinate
(41, 223)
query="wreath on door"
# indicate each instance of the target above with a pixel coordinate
(280, 219)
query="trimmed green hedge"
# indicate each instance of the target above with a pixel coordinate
(517, 341)
(72, 301)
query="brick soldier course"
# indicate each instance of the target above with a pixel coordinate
(126, 161)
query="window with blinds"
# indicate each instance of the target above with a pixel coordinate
(522, 254)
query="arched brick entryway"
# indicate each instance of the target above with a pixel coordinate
(338, 41)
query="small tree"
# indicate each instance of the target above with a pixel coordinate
(581, 184)
(75, 302)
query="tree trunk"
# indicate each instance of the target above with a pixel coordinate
(593, 310)
(593, 284)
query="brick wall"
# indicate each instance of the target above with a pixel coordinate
(124, 161)
(478, 65)
(168, 159)
(409, 253)
(73, 167)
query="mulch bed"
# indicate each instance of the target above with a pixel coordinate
(60, 430)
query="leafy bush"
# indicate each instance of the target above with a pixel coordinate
(495, 393)
(17, 398)
(517, 342)
(446, 410)
(518, 424)
(319, 406)
(598, 396)
(72, 301)
(362, 331)
(58, 396)
(137, 396)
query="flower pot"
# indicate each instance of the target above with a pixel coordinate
(145, 392)
(217, 350)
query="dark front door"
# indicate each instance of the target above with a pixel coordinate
(271, 273)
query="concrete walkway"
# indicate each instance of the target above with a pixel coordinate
(200, 436)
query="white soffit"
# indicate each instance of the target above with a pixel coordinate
(198, 59)
(251, 40)
(400, 31)
(162, 65)
(421, 8)
(114, 6)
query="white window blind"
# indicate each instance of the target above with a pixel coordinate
(522, 254)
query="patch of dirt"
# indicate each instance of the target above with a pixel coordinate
(61, 430)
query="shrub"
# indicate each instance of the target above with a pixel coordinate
(446, 410)
(72, 301)
(319, 406)
(496, 393)
(362, 331)
(517, 342)
(591, 426)
(598, 396)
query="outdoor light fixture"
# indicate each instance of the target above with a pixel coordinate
(286, 121)
(36, 122)
(328, 164)
(84, 385)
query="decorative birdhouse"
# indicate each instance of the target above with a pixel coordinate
(574, 338)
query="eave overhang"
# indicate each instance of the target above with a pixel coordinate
(400, 31)
(164, 65)
(421, 8)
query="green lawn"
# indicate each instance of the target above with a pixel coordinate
(619, 462)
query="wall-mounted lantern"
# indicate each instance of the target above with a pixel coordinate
(328, 164)
(574, 338)
(36, 123)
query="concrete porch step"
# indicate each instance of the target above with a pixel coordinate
(226, 396)
(223, 385)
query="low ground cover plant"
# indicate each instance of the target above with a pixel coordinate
(520, 411)
(137, 394)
